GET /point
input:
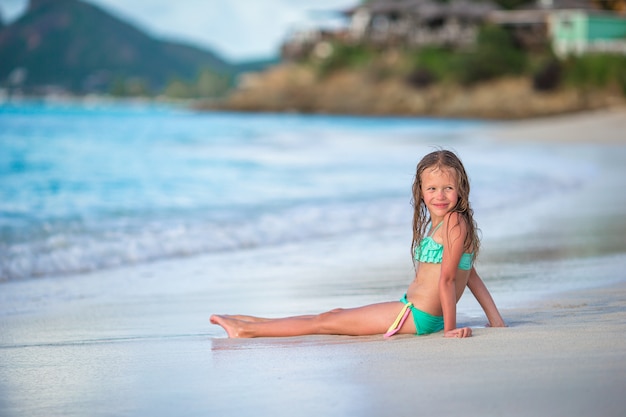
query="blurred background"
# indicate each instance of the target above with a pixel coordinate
(332, 56)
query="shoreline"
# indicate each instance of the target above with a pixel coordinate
(545, 124)
(472, 104)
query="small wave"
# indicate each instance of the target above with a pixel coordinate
(62, 250)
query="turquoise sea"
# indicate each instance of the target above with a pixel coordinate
(84, 188)
(90, 186)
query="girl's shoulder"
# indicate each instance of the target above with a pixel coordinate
(453, 219)
(454, 225)
(461, 229)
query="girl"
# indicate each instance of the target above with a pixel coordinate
(445, 244)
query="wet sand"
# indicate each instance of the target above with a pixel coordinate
(562, 358)
(137, 341)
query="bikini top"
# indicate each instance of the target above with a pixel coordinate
(432, 252)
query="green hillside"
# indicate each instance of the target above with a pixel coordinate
(75, 46)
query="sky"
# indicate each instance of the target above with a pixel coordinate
(237, 30)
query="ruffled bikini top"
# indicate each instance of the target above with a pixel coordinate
(430, 251)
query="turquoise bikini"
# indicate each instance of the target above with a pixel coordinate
(431, 252)
(428, 251)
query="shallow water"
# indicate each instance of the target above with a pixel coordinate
(91, 189)
(86, 188)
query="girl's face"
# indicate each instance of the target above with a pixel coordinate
(439, 191)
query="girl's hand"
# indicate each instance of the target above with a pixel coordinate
(462, 332)
(497, 323)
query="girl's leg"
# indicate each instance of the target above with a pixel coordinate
(255, 319)
(246, 318)
(368, 320)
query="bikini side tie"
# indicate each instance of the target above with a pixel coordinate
(404, 313)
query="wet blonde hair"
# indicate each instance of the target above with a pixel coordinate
(443, 159)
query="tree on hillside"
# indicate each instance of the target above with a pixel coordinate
(208, 84)
(513, 4)
(212, 84)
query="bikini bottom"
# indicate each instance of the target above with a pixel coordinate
(424, 323)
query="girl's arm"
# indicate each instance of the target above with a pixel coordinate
(453, 230)
(478, 288)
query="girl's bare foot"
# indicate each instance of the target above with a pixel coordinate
(232, 326)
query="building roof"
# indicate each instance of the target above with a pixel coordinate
(538, 12)
(428, 9)
(562, 4)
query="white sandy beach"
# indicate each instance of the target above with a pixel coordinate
(601, 126)
(135, 342)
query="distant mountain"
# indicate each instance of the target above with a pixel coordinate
(76, 46)
(257, 65)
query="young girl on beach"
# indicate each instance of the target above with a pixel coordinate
(445, 244)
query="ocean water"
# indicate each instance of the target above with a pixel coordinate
(86, 187)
